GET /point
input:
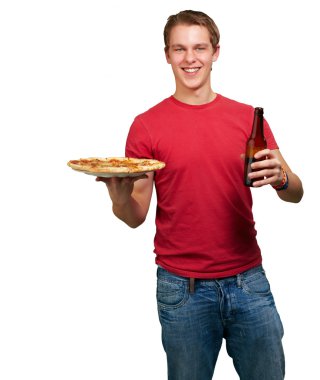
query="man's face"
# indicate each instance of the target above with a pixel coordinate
(191, 55)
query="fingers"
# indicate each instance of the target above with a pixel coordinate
(266, 172)
(262, 154)
(271, 180)
(142, 176)
(120, 185)
(263, 182)
(102, 179)
(267, 164)
(128, 179)
(264, 177)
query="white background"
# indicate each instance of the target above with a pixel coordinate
(77, 286)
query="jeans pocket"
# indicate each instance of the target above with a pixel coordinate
(256, 283)
(171, 294)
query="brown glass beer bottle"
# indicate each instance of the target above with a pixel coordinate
(255, 143)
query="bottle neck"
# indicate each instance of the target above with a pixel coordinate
(257, 127)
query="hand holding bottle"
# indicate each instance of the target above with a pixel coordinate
(266, 169)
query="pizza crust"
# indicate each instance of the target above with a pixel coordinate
(115, 165)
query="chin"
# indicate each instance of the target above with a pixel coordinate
(194, 86)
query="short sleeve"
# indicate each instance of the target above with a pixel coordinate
(138, 143)
(271, 141)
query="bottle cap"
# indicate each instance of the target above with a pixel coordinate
(258, 110)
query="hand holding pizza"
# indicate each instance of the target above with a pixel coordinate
(120, 188)
(130, 197)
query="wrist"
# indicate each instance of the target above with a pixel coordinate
(284, 181)
(123, 203)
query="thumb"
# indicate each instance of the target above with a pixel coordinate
(143, 176)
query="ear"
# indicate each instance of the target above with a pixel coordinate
(216, 54)
(166, 52)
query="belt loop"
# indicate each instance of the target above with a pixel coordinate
(191, 285)
(239, 278)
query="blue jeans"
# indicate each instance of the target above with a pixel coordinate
(240, 309)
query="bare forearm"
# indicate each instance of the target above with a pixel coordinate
(130, 212)
(130, 197)
(294, 192)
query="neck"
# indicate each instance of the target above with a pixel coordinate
(195, 97)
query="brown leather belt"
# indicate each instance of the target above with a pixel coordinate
(191, 285)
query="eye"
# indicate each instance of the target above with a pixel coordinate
(200, 48)
(178, 49)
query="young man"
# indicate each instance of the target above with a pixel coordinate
(211, 284)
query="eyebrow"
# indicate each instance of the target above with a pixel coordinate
(196, 45)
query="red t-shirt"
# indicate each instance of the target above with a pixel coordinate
(204, 222)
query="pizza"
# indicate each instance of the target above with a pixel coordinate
(112, 166)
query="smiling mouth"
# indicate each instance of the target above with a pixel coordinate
(191, 69)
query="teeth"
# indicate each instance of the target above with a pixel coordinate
(192, 70)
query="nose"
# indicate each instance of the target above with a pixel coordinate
(190, 56)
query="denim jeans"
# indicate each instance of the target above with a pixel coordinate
(240, 309)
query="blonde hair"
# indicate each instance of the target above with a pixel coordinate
(192, 18)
